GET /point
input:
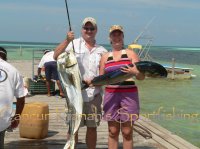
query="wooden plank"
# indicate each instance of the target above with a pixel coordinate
(160, 137)
(175, 137)
(165, 135)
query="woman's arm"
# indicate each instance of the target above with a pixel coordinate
(134, 57)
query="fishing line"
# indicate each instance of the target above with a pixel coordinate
(70, 28)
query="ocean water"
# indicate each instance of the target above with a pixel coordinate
(186, 55)
(24, 50)
(174, 104)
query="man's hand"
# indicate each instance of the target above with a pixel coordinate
(14, 122)
(88, 82)
(70, 36)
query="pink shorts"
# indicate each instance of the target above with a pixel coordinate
(121, 104)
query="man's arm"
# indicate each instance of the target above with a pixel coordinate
(19, 107)
(62, 46)
(39, 71)
(41, 65)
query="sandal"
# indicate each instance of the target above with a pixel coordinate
(62, 96)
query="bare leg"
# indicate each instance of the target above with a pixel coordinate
(60, 88)
(48, 87)
(113, 138)
(2, 136)
(91, 137)
(127, 133)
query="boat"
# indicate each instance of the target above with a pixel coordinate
(142, 50)
(174, 72)
(179, 72)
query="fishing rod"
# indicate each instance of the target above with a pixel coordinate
(70, 28)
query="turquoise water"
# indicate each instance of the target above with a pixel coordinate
(174, 104)
(24, 50)
(176, 48)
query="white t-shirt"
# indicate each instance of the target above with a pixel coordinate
(48, 57)
(11, 84)
(88, 62)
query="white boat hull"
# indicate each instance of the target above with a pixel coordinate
(179, 73)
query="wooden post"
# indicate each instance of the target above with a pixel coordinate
(33, 63)
(173, 69)
(20, 50)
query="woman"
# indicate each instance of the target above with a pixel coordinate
(121, 102)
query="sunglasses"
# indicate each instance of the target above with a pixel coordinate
(89, 28)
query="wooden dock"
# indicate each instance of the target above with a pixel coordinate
(56, 139)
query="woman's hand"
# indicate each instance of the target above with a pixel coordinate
(133, 70)
(130, 70)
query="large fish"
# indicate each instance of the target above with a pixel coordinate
(70, 77)
(152, 69)
(149, 68)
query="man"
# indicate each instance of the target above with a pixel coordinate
(11, 84)
(49, 63)
(88, 55)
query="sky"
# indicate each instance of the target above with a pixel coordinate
(167, 22)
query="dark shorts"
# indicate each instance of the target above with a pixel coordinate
(121, 105)
(51, 70)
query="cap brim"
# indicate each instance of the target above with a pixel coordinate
(116, 30)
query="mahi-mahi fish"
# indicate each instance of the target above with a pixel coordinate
(70, 78)
(149, 68)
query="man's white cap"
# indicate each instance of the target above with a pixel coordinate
(89, 19)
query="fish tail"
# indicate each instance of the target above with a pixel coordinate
(70, 144)
(67, 145)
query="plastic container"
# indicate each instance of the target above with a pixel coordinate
(34, 121)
